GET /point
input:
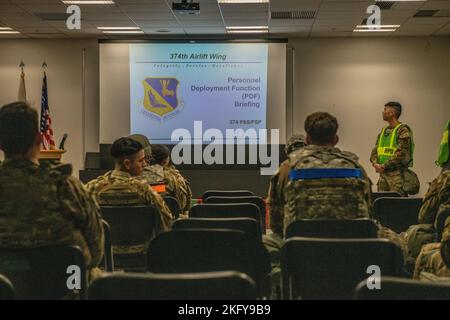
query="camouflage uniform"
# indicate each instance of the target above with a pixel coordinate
(423, 233)
(44, 205)
(120, 188)
(435, 257)
(431, 201)
(276, 198)
(445, 244)
(393, 178)
(176, 185)
(330, 198)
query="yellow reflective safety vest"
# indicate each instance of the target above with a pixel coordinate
(387, 145)
(443, 155)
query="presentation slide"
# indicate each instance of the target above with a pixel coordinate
(223, 85)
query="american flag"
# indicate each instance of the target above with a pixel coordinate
(46, 130)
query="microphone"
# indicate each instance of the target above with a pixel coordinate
(63, 140)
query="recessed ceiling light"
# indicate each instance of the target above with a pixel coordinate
(247, 27)
(118, 28)
(5, 28)
(247, 31)
(87, 2)
(374, 30)
(388, 26)
(9, 32)
(243, 1)
(124, 31)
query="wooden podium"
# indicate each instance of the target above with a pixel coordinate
(51, 155)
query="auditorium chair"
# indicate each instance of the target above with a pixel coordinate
(226, 210)
(131, 226)
(206, 250)
(332, 228)
(173, 205)
(392, 288)
(226, 193)
(247, 199)
(247, 225)
(107, 261)
(222, 285)
(6, 288)
(385, 194)
(314, 268)
(397, 214)
(43, 272)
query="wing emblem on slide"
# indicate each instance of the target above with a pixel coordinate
(160, 95)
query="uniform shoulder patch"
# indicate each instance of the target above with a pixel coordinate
(59, 169)
(404, 131)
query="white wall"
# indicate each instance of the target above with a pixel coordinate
(64, 76)
(354, 78)
(351, 78)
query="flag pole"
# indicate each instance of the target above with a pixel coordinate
(46, 130)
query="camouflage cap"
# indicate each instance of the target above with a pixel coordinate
(143, 140)
(296, 141)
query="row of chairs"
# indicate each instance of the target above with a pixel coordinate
(392, 210)
(161, 261)
(228, 285)
(214, 207)
(218, 209)
(45, 272)
(191, 246)
(199, 249)
(245, 193)
(128, 226)
(389, 208)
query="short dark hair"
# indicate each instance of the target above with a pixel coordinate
(396, 106)
(18, 128)
(160, 153)
(321, 127)
(124, 148)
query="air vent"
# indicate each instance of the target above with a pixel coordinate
(425, 13)
(52, 16)
(293, 14)
(443, 13)
(385, 5)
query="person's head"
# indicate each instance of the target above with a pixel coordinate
(392, 110)
(129, 156)
(19, 130)
(143, 140)
(160, 155)
(321, 129)
(295, 142)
